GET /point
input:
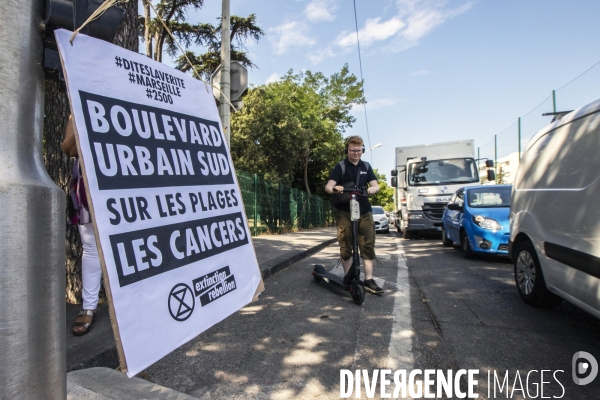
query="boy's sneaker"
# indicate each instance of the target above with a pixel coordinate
(371, 286)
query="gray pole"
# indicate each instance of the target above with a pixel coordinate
(32, 220)
(519, 139)
(224, 111)
(496, 157)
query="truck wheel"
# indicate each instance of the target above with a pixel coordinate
(530, 279)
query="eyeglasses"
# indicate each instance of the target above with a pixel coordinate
(355, 151)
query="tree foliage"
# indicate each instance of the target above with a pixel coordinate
(267, 138)
(299, 121)
(173, 13)
(241, 30)
(500, 176)
(385, 196)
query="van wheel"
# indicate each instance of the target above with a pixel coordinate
(530, 279)
(445, 241)
(465, 246)
(406, 234)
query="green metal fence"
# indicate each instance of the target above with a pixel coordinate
(582, 90)
(275, 208)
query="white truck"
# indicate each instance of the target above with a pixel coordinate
(426, 177)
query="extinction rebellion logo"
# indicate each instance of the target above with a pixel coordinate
(208, 288)
(213, 286)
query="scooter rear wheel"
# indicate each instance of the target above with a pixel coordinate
(319, 269)
(358, 294)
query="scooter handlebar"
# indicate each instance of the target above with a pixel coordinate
(360, 192)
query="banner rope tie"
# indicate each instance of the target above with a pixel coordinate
(95, 15)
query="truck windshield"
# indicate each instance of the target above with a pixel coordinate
(443, 172)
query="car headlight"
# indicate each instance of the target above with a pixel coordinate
(487, 223)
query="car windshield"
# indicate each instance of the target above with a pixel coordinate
(489, 196)
(443, 172)
(378, 210)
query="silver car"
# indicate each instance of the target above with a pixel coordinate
(382, 222)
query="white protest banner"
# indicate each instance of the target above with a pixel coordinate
(168, 213)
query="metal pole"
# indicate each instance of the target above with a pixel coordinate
(496, 157)
(280, 206)
(224, 111)
(478, 163)
(32, 220)
(255, 216)
(519, 138)
(554, 100)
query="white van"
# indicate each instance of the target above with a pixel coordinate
(555, 213)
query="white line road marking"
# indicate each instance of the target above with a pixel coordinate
(400, 354)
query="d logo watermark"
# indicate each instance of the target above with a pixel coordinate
(585, 368)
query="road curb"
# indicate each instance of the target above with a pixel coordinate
(270, 268)
(108, 357)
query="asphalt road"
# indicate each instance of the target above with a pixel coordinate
(468, 314)
(439, 312)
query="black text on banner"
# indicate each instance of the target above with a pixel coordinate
(145, 253)
(139, 146)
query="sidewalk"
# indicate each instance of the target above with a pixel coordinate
(274, 253)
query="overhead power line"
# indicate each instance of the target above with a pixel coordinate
(361, 77)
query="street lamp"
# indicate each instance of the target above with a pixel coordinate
(374, 147)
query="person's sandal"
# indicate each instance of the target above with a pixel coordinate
(87, 326)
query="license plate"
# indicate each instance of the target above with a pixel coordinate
(438, 228)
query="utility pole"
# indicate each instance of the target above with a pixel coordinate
(32, 220)
(224, 111)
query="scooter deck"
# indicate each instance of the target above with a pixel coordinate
(356, 289)
(331, 278)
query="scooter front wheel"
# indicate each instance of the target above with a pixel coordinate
(358, 294)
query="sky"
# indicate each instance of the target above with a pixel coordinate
(434, 70)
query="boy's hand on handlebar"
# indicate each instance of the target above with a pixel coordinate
(372, 190)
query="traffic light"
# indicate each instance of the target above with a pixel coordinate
(71, 14)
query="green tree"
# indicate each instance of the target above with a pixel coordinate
(500, 177)
(173, 12)
(241, 29)
(385, 196)
(337, 95)
(312, 111)
(266, 136)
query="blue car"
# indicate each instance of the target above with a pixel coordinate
(476, 218)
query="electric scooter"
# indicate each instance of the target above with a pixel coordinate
(351, 282)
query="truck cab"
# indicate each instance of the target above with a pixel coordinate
(426, 176)
(429, 186)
